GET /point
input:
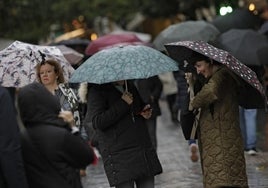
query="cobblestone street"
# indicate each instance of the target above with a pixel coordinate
(178, 170)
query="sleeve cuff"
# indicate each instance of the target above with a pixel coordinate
(74, 130)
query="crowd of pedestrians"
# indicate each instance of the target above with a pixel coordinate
(123, 118)
(48, 140)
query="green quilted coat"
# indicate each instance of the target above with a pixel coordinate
(219, 135)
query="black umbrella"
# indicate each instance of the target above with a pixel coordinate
(239, 19)
(263, 55)
(74, 42)
(264, 28)
(251, 90)
(188, 30)
(243, 44)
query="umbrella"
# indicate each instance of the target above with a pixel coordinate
(264, 28)
(123, 63)
(74, 42)
(70, 54)
(18, 62)
(142, 36)
(188, 30)
(263, 55)
(110, 40)
(240, 18)
(243, 44)
(252, 94)
(78, 44)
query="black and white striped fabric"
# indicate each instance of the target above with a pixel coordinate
(69, 98)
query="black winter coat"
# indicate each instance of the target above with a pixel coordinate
(52, 155)
(12, 174)
(123, 138)
(150, 90)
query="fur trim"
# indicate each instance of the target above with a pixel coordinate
(82, 92)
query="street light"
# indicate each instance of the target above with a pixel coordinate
(225, 10)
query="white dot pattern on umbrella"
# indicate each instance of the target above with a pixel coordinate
(225, 58)
(252, 92)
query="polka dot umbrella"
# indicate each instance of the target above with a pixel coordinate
(251, 95)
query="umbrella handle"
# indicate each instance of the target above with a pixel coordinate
(126, 85)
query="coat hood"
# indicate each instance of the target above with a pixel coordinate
(38, 106)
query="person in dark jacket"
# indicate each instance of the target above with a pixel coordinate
(12, 174)
(150, 90)
(51, 153)
(182, 91)
(118, 114)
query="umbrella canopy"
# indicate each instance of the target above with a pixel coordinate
(70, 54)
(264, 28)
(240, 18)
(18, 62)
(263, 55)
(74, 42)
(145, 37)
(123, 63)
(188, 30)
(111, 40)
(252, 94)
(243, 44)
(78, 44)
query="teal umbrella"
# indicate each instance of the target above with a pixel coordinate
(123, 63)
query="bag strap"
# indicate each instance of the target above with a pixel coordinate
(195, 125)
(73, 102)
(70, 95)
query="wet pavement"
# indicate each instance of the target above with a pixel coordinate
(178, 170)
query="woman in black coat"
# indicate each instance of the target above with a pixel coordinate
(51, 153)
(118, 115)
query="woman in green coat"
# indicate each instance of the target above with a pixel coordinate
(219, 135)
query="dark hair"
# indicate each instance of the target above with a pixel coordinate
(57, 68)
(198, 57)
